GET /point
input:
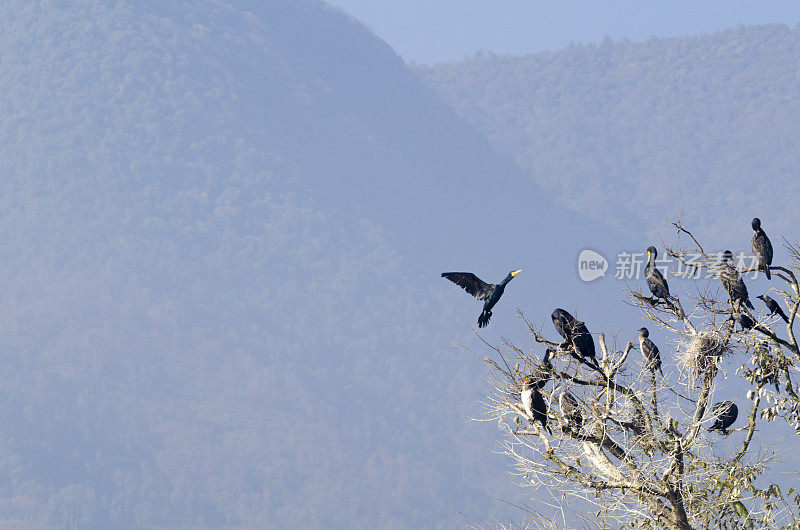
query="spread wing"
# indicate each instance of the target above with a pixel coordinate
(471, 283)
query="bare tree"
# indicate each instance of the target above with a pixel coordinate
(634, 445)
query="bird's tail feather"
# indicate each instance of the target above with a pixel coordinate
(483, 319)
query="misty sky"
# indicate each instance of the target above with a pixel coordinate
(429, 32)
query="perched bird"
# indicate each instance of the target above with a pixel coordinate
(726, 413)
(481, 290)
(773, 307)
(650, 351)
(576, 334)
(762, 247)
(544, 371)
(655, 281)
(732, 281)
(533, 403)
(570, 412)
(744, 320)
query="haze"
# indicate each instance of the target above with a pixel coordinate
(430, 32)
(223, 226)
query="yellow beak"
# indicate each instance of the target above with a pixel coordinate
(514, 273)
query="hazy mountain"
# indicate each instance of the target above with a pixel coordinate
(632, 133)
(222, 228)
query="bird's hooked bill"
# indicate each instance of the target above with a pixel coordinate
(514, 273)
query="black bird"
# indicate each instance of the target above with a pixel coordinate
(481, 290)
(726, 413)
(744, 320)
(762, 247)
(773, 307)
(650, 351)
(576, 334)
(571, 412)
(544, 371)
(533, 403)
(655, 281)
(733, 283)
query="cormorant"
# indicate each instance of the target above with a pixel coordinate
(762, 247)
(733, 283)
(726, 413)
(650, 351)
(655, 281)
(544, 371)
(773, 307)
(571, 412)
(576, 334)
(481, 290)
(744, 320)
(533, 403)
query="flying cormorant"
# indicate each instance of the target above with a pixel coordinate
(576, 334)
(650, 351)
(533, 403)
(726, 413)
(481, 290)
(543, 372)
(762, 247)
(733, 283)
(655, 281)
(773, 307)
(570, 412)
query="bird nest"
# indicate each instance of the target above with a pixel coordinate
(701, 352)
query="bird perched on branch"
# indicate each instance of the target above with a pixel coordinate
(650, 351)
(726, 413)
(481, 290)
(762, 247)
(733, 283)
(570, 412)
(533, 403)
(544, 371)
(655, 280)
(576, 334)
(773, 307)
(744, 320)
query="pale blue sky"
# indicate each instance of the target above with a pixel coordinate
(427, 32)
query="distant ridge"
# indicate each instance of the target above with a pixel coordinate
(633, 133)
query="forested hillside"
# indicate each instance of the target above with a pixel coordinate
(633, 132)
(222, 227)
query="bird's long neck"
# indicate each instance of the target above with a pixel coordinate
(546, 360)
(506, 280)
